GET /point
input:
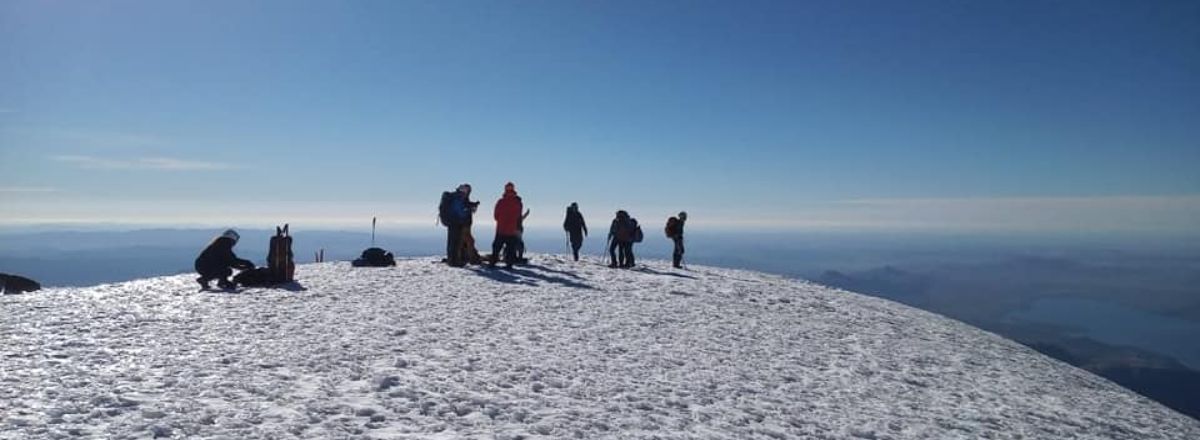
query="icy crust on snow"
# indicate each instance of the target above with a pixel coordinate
(554, 350)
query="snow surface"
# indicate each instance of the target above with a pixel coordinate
(554, 350)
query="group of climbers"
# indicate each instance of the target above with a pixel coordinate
(456, 212)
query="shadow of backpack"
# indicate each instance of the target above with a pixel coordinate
(374, 257)
(281, 268)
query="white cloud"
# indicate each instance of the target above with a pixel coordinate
(26, 190)
(109, 139)
(141, 163)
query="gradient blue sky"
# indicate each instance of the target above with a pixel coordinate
(946, 115)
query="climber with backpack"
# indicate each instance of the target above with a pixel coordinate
(576, 228)
(217, 261)
(674, 231)
(508, 222)
(637, 238)
(622, 234)
(454, 211)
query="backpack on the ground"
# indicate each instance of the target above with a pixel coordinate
(672, 228)
(14, 284)
(637, 232)
(279, 256)
(257, 277)
(374, 257)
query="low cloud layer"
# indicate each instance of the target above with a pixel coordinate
(141, 163)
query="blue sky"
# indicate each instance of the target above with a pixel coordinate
(1028, 116)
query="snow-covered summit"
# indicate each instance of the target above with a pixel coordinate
(554, 350)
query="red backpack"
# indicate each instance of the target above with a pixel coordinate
(672, 228)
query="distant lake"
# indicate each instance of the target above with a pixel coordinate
(1115, 324)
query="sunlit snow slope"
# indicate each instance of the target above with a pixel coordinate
(554, 350)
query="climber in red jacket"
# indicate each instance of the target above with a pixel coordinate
(508, 221)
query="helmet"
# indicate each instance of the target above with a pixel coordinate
(231, 234)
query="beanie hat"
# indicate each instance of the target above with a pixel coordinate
(509, 187)
(231, 234)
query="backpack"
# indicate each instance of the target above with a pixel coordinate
(374, 257)
(446, 214)
(637, 232)
(14, 284)
(672, 228)
(279, 256)
(622, 231)
(257, 277)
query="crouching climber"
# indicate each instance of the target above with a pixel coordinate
(217, 261)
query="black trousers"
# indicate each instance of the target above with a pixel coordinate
(621, 253)
(454, 235)
(509, 243)
(221, 274)
(576, 243)
(677, 255)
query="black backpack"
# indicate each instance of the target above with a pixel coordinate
(445, 216)
(14, 284)
(637, 231)
(375, 257)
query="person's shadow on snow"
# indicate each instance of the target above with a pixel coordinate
(655, 272)
(502, 276)
(528, 277)
(547, 269)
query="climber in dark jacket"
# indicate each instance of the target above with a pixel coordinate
(620, 239)
(576, 228)
(217, 261)
(675, 233)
